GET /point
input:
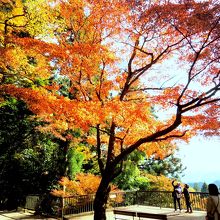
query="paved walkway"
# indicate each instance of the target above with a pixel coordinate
(10, 215)
(196, 215)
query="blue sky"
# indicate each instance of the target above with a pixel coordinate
(202, 159)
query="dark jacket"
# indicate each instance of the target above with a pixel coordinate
(186, 193)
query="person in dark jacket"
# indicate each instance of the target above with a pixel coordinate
(177, 193)
(187, 198)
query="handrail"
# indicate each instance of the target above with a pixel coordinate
(78, 204)
(163, 199)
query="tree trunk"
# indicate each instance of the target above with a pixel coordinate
(101, 199)
(63, 169)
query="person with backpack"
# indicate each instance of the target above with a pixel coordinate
(213, 203)
(177, 193)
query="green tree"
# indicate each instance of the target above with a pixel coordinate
(131, 177)
(204, 187)
(196, 187)
(75, 162)
(28, 158)
(170, 166)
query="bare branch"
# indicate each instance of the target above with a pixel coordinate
(170, 136)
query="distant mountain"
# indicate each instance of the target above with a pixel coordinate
(217, 182)
(192, 184)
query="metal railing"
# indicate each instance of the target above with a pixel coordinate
(78, 204)
(164, 199)
(32, 202)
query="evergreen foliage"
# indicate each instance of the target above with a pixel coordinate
(204, 188)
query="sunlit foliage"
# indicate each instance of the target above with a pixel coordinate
(113, 56)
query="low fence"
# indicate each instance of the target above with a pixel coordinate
(54, 206)
(164, 199)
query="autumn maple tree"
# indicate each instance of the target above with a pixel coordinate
(105, 68)
(84, 184)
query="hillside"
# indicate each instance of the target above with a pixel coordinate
(217, 182)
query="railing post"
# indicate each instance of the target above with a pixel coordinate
(160, 199)
(62, 207)
(136, 197)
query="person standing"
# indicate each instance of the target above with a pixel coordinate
(213, 203)
(177, 193)
(187, 198)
